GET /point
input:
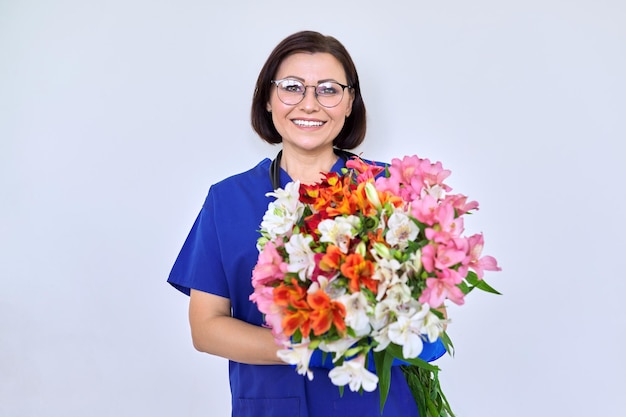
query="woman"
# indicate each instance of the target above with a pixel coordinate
(307, 98)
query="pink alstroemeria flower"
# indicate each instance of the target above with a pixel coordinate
(366, 172)
(263, 296)
(434, 174)
(448, 228)
(441, 288)
(460, 203)
(270, 266)
(476, 262)
(443, 256)
(404, 179)
(423, 209)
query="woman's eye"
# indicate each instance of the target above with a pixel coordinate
(292, 87)
(326, 89)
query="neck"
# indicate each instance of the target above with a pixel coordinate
(307, 167)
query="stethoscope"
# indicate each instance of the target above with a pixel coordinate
(275, 165)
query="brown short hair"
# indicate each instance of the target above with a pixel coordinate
(353, 131)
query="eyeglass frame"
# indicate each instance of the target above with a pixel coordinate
(343, 89)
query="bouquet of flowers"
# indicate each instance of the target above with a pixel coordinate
(359, 267)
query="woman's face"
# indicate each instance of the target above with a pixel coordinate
(308, 125)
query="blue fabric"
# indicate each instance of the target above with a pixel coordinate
(218, 257)
(430, 352)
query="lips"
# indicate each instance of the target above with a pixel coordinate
(308, 123)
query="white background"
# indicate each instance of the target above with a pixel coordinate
(116, 116)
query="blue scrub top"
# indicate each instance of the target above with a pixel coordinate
(218, 257)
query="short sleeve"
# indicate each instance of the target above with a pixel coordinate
(198, 264)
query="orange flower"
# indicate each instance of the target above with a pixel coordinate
(296, 319)
(343, 201)
(387, 197)
(320, 195)
(345, 206)
(332, 259)
(363, 204)
(290, 295)
(333, 196)
(375, 237)
(326, 312)
(359, 271)
(296, 311)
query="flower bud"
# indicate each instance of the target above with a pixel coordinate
(417, 260)
(382, 250)
(361, 249)
(372, 195)
(260, 244)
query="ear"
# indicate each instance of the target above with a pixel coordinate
(349, 105)
(268, 107)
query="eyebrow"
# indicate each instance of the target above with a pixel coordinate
(303, 80)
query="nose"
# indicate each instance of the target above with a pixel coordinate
(309, 101)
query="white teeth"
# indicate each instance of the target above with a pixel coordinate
(307, 123)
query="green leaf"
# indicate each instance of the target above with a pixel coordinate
(395, 351)
(432, 408)
(482, 285)
(447, 343)
(415, 385)
(464, 288)
(472, 278)
(475, 282)
(383, 361)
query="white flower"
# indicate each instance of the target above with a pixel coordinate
(381, 336)
(299, 355)
(386, 272)
(433, 326)
(382, 314)
(415, 261)
(291, 193)
(397, 295)
(396, 301)
(354, 374)
(407, 330)
(401, 230)
(338, 347)
(321, 284)
(403, 332)
(301, 257)
(284, 212)
(386, 269)
(357, 312)
(436, 191)
(339, 231)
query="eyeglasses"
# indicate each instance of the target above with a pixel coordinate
(291, 92)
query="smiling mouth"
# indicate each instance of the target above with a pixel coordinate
(308, 123)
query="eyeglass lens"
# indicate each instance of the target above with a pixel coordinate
(291, 92)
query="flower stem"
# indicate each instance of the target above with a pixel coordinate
(426, 389)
